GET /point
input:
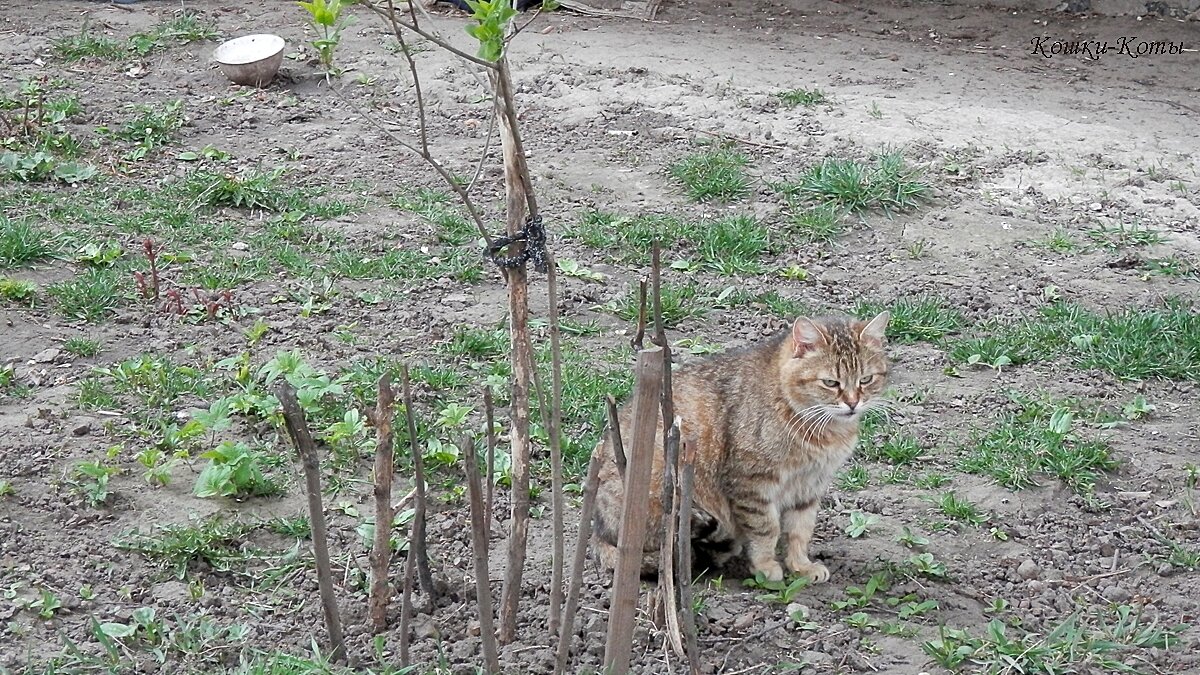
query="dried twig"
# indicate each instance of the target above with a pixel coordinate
(297, 428)
(382, 548)
(566, 632)
(614, 433)
(406, 608)
(638, 341)
(684, 495)
(417, 543)
(634, 517)
(479, 542)
(489, 415)
(390, 15)
(666, 561)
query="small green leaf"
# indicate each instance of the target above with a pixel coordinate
(118, 630)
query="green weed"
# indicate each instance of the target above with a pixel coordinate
(629, 239)
(1124, 236)
(679, 303)
(1037, 438)
(151, 127)
(251, 189)
(958, 508)
(805, 97)
(734, 245)
(1107, 642)
(17, 291)
(215, 541)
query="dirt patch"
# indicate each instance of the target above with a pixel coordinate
(1052, 179)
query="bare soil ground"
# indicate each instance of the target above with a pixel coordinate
(1035, 517)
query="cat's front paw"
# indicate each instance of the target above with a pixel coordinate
(813, 570)
(772, 570)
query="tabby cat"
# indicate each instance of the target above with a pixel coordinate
(770, 425)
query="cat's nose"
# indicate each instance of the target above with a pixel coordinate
(851, 404)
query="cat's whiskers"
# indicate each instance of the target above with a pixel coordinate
(802, 420)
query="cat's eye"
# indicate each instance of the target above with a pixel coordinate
(832, 384)
(866, 380)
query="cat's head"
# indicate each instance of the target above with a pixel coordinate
(836, 368)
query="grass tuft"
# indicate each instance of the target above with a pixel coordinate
(22, 243)
(915, 319)
(888, 185)
(715, 175)
(87, 45)
(1131, 344)
(90, 296)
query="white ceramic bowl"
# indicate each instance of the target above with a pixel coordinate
(251, 60)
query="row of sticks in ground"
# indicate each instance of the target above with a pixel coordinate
(669, 605)
(525, 241)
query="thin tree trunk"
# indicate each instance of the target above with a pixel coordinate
(417, 544)
(381, 551)
(479, 541)
(297, 428)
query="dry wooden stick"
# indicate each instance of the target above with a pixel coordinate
(555, 429)
(666, 560)
(686, 484)
(406, 607)
(566, 632)
(614, 431)
(382, 549)
(638, 341)
(489, 414)
(479, 541)
(417, 542)
(634, 517)
(297, 428)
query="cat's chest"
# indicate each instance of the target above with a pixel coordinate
(806, 478)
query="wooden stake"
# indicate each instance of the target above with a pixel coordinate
(635, 512)
(417, 542)
(479, 542)
(556, 470)
(381, 551)
(587, 512)
(297, 428)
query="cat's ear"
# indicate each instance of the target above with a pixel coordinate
(805, 336)
(875, 331)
